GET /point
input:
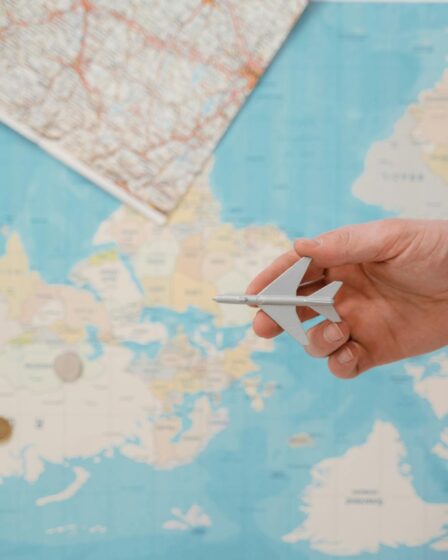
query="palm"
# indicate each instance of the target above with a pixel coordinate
(386, 310)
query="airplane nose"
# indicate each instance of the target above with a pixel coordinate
(230, 299)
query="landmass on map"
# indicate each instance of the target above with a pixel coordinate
(369, 491)
(407, 174)
(150, 388)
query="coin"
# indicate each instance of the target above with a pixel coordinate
(5, 429)
(68, 367)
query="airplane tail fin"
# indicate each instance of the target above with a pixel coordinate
(326, 309)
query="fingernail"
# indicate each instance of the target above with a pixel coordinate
(345, 356)
(333, 333)
(309, 242)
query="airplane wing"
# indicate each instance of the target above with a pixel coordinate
(286, 284)
(286, 317)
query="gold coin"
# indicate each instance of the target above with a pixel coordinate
(5, 429)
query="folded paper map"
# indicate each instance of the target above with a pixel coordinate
(135, 95)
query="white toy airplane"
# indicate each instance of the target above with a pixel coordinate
(279, 300)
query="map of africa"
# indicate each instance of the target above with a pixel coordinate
(175, 432)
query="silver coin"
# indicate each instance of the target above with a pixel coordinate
(68, 367)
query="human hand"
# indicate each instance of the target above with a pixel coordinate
(394, 301)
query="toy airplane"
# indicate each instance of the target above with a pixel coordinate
(279, 300)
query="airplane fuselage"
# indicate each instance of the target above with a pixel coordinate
(297, 301)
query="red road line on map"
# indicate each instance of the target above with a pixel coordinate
(250, 71)
(159, 44)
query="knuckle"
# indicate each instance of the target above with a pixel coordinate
(344, 236)
(344, 240)
(339, 239)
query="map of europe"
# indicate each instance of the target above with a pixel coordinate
(140, 420)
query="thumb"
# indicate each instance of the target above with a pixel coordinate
(371, 242)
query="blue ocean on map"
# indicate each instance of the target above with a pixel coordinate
(344, 77)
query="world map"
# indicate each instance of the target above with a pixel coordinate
(179, 434)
